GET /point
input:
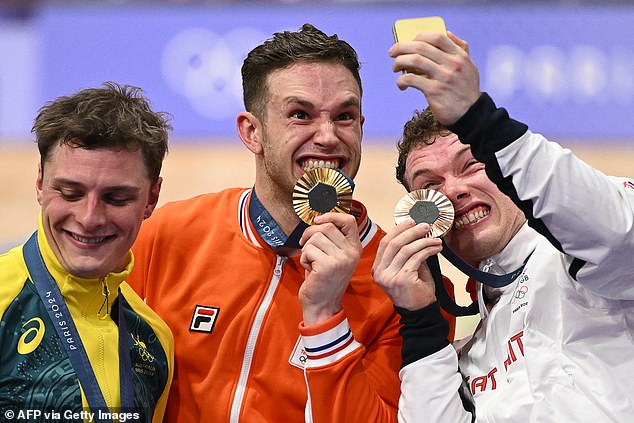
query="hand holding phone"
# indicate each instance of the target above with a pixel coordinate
(448, 97)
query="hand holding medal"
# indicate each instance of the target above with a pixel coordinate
(329, 259)
(432, 207)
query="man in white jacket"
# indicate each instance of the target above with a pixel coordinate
(556, 341)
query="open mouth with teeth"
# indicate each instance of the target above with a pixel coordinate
(93, 240)
(310, 164)
(471, 216)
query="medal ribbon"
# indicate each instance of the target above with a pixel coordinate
(445, 301)
(489, 279)
(62, 320)
(269, 230)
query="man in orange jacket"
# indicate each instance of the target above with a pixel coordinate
(272, 324)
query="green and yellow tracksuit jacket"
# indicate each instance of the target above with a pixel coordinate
(35, 371)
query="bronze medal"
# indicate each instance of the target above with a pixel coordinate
(320, 191)
(426, 206)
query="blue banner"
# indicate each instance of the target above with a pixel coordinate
(567, 71)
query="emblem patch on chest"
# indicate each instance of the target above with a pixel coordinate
(520, 297)
(204, 319)
(298, 356)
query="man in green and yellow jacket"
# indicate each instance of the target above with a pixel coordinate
(76, 342)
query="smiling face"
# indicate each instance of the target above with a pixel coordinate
(485, 218)
(93, 203)
(312, 119)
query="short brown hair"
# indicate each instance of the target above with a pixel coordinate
(114, 115)
(421, 129)
(285, 49)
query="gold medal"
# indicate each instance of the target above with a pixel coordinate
(426, 206)
(320, 191)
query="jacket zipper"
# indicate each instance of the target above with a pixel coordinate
(106, 299)
(252, 340)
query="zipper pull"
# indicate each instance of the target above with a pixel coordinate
(106, 293)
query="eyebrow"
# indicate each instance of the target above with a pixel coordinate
(297, 100)
(465, 149)
(74, 184)
(66, 182)
(350, 101)
(459, 155)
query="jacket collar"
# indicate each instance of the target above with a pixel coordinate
(82, 293)
(510, 258)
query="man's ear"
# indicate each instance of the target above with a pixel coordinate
(153, 198)
(250, 131)
(38, 183)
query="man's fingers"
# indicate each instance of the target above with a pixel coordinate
(459, 41)
(417, 261)
(410, 255)
(391, 234)
(420, 82)
(345, 222)
(403, 242)
(330, 241)
(434, 40)
(341, 229)
(409, 285)
(310, 254)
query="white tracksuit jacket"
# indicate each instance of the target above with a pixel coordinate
(558, 343)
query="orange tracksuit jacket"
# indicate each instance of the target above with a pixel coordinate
(231, 302)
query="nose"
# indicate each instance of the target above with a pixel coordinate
(455, 189)
(91, 214)
(326, 134)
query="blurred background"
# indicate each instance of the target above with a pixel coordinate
(566, 68)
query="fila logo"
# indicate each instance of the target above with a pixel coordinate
(204, 319)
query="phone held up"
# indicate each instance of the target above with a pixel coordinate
(406, 29)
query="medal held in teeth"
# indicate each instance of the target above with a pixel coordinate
(426, 206)
(320, 191)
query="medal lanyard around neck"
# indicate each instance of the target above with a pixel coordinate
(269, 230)
(489, 279)
(62, 320)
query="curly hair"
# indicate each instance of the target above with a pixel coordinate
(421, 129)
(113, 116)
(285, 49)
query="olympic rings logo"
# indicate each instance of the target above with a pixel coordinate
(521, 293)
(143, 352)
